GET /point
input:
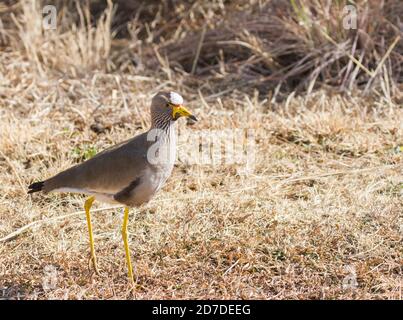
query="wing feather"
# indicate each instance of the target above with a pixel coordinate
(109, 171)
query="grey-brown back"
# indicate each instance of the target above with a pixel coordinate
(108, 172)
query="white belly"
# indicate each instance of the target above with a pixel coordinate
(152, 181)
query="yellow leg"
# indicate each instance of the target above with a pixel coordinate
(126, 243)
(87, 207)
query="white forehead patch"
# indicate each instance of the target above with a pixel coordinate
(175, 98)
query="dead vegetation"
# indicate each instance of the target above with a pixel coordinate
(320, 216)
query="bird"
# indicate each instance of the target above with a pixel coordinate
(129, 173)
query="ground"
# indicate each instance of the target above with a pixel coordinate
(318, 216)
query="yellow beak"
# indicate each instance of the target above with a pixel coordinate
(180, 111)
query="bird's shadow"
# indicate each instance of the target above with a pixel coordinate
(18, 292)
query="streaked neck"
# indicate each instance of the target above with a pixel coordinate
(164, 126)
(162, 122)
(163, 135)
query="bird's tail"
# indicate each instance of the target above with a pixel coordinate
(36, 187)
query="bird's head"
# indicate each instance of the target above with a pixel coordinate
(169, 106)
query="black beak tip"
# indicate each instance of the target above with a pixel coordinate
(193, 118)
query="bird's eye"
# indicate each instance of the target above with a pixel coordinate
(170, 104)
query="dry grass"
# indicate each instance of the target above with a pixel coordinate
(323, 205)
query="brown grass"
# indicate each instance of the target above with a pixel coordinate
(322, 206)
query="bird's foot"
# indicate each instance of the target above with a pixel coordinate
(92, 262)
